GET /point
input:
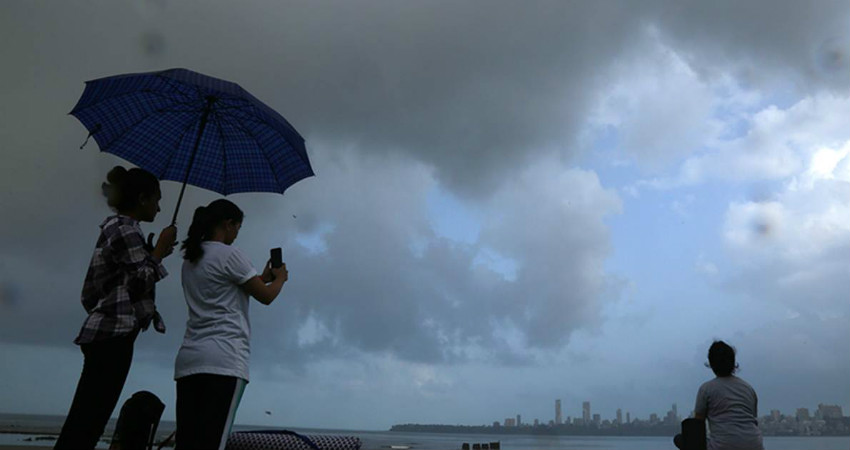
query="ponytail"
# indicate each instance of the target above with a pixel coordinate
(204, 221)
(192, 249)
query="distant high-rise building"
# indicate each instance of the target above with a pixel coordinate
(775, 415)
(628, 417)
(510, 422)
(585, 412)
(558, 418)
(619, 416)
(803, 414)
(518, 420)
(653, 418)
(828, 412)
(536, 423)
(597, 419)
(672, 416)
(496, 424)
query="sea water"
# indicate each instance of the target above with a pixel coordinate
(378, 440)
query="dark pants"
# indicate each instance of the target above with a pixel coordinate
(205, 404)
(105, 367)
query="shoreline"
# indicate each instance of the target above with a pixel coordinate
(49, 434)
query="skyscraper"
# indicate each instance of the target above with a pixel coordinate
(619, 416)
(675, 412)
(558, 417)
(828, 412)
(585, 412)
(628, 417)
(518, 420)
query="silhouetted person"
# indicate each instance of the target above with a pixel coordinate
(728, 403)
(118, 295)
(211, 368)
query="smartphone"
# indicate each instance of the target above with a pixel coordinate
(277, 257)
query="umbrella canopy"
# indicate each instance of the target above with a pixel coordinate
(187, 127)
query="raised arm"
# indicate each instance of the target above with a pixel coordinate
(267, 293)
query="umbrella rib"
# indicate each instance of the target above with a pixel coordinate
(223, 153)
(136, 92)
(177, 147)
(176, 86)
(127, 130)
(262, 150)
(193, 106)
(234, 107)
(255, 119)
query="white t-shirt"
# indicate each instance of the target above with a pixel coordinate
(731, 406)
(218, 330)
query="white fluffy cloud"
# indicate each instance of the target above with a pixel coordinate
(661, 109)
(777, 143)
(798, 243)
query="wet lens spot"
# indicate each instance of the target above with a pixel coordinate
(153, 43)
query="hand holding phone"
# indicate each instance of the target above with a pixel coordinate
(276, 257)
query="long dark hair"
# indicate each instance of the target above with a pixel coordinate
(721, 359)
(204, 221)
(123, 187)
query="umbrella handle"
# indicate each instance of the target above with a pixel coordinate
(204, 116)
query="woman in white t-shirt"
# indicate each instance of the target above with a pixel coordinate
(211, 368)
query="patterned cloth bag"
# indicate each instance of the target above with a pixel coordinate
(290, 440)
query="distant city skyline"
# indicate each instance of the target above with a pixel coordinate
(827, 420)
(823, 411)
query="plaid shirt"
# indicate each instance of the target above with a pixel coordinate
(118, 293)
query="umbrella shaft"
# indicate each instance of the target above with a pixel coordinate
(204, 117)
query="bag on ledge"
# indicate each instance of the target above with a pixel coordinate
(137, 422)
(290, 440)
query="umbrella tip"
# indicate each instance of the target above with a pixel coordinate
(94, 130)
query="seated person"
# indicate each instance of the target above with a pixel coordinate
(728, 403)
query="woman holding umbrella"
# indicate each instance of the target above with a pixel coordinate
(118, 295)
(211, 368)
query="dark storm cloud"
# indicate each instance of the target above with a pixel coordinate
(764, 42)
(372, 291)
(468, 95)
(472, 88)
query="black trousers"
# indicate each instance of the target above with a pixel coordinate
(206, 405)
(105, 367)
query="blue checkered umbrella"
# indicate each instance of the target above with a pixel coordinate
(191, 128)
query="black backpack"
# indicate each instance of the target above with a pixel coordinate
(137, 422)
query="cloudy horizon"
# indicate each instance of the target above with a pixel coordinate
(513, 203)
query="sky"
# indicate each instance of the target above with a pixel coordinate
(514, 202)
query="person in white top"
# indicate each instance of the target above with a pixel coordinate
(211, 368)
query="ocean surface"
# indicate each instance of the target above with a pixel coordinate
(375, 440)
